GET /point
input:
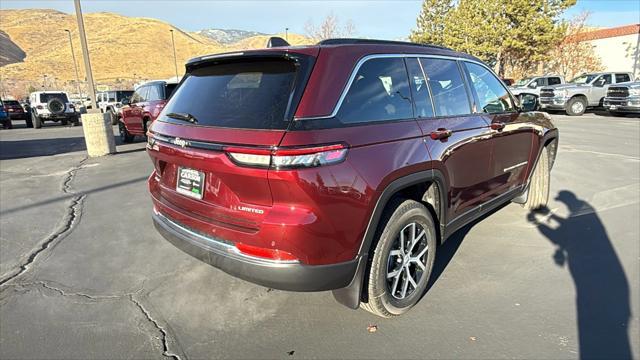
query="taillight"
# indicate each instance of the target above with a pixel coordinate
(288, 158)
(265, 253)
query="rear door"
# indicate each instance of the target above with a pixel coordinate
(511, 132)
(132, 115)
(457, 139)
(239, 105)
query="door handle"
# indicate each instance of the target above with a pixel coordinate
(497, 126)
(440, 134)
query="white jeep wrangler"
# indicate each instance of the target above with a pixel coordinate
(110, 102)
(51, 106)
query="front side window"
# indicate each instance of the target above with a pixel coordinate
(139, 95)
(603, 80)
(620, 78)
(447, 87)
(583, 79)
(379, 92)
(419, 89)
(492, 96)
(554, 81)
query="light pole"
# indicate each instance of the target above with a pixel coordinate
(175, 59)
(286, 34)
(85, 56)
(75, 65)
(97, 128)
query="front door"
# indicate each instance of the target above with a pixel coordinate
(132, 116)
(457, 139)
(511, 133)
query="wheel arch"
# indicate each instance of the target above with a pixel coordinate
(427, 187)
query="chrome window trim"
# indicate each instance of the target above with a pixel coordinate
(366, 58)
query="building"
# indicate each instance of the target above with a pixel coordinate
(618, 47)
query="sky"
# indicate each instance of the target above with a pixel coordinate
(391, 19)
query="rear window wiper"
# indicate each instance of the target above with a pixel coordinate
(183, 116)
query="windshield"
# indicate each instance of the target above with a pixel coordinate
(523, 82)
(583, 79)
(247, 95)
(45, 97)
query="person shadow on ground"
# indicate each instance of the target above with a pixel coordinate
(602, 290)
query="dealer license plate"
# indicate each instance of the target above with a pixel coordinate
(190, 182)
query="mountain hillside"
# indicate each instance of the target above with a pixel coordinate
(228, 36)
(123, 49)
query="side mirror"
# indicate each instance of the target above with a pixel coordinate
(125, 101)
(528, 102)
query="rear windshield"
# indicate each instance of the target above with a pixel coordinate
(246, 95)
(48, 96)
(119, 95)
(11, 102)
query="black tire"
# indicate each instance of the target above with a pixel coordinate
(616, 113)
(28, 121)
(145, 125)
(112, 117)
(125, 136)
(576, 106)
(382, 289)
(538, 196)
(37, 121)
(64, 122)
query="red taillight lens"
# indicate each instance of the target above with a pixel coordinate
(270, 254)
(288, 158)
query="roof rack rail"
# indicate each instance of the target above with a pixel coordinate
(353, 41)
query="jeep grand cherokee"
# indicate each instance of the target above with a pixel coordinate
(340, 166)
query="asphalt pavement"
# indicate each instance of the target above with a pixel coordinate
(83, 273)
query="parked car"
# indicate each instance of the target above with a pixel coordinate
(508, 81)
(17, 112)
(51, 106)
(110, 102)
(533, 84)
(5, 120)
(142, 108)
(587, 90)
(341, 166)
(623, 99)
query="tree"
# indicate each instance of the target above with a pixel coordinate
(571, 56)
(431, 23)
(329, 28)
(502, 33)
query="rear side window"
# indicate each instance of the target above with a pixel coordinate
(620, 78)
(154, 93)
(419, 89)
(245, 95)
(447, 88)
(379, 92)
(492, 96)
(554, 81)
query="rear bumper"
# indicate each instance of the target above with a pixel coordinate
(18, 116)
(278, 275)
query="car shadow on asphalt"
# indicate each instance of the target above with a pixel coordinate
(26, 148)
(602, 289)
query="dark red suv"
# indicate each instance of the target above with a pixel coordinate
(142, 108)
(340, 166)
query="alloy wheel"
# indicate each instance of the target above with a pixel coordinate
(407, 261)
